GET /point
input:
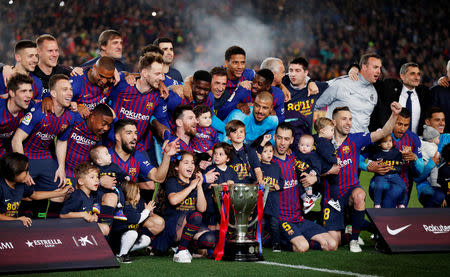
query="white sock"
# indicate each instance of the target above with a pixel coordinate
(143, 242)
(127, 241)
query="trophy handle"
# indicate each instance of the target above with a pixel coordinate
(218, 190)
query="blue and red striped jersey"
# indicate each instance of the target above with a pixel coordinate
(42, 130)
(348, 153)
(205, 139)
(86, 93)
(8, 125)
(409, 139)
(37, 87)
(247, 75)
(290, 195)
(136, 165)
(129, 103)
(80, 141)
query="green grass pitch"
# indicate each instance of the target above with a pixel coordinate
(341, 262)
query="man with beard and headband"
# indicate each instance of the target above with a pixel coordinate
(360, 96)
(93, 86)
(26, 56)
(135, 165)
(166, 45)
(37, 132)
(348, 147)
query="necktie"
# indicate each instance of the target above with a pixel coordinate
(409, 106)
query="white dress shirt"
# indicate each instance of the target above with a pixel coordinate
(415, 114)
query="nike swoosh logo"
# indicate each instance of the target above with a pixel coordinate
(396, 231)
(7, 200)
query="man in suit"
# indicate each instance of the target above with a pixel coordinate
(408, 92)
(441, 97)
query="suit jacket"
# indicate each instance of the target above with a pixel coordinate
(388, 91)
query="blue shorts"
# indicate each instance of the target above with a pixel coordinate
(333, 220)
(43, 174)
(307, 229)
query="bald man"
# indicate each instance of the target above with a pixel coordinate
(259, 121)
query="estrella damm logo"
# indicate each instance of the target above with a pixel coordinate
(304, 107)
(132, 171)
(287, 228)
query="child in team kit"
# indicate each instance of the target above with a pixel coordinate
(131, 235)
(308, 164)
(390, 155)
(81, 201)
(185, 203)
(206, 135)
(222, 154)
(273, 176)
(102, 159)
(327, 153)
(245, 160)
(13, 174)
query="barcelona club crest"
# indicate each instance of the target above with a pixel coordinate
(132, 171)
(63, 127)
(346, 149)
(149, 105)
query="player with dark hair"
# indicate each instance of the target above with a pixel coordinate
(297, 233)
(206, 136)
(26, 56)
(93, 86)
(166, 45)
(235, 65)
(218, 84)
(14, 108)
(350, 192)
(82, 136)
(110, 44)
(242, 96)
(299, 110)
(14, 172)
(37, 132)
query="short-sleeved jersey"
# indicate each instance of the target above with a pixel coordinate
(10, 198)
(129, 103)
(78, 202)
(58, 69)
(244, 163)
(247, 75)
(42, 130)
(175, 75)
(301, 106)
(86, 93)
(204, 139)
(136, 165)
(228, 175)
(348, 153)
(38, 93)
(308, 162)
(133, 215)
(80, 141)
(409, 139)
(273, 177)
(326, 152)
(290, 195)
(174, 185)
(391, 157)
(8, 125)
(113, 170)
